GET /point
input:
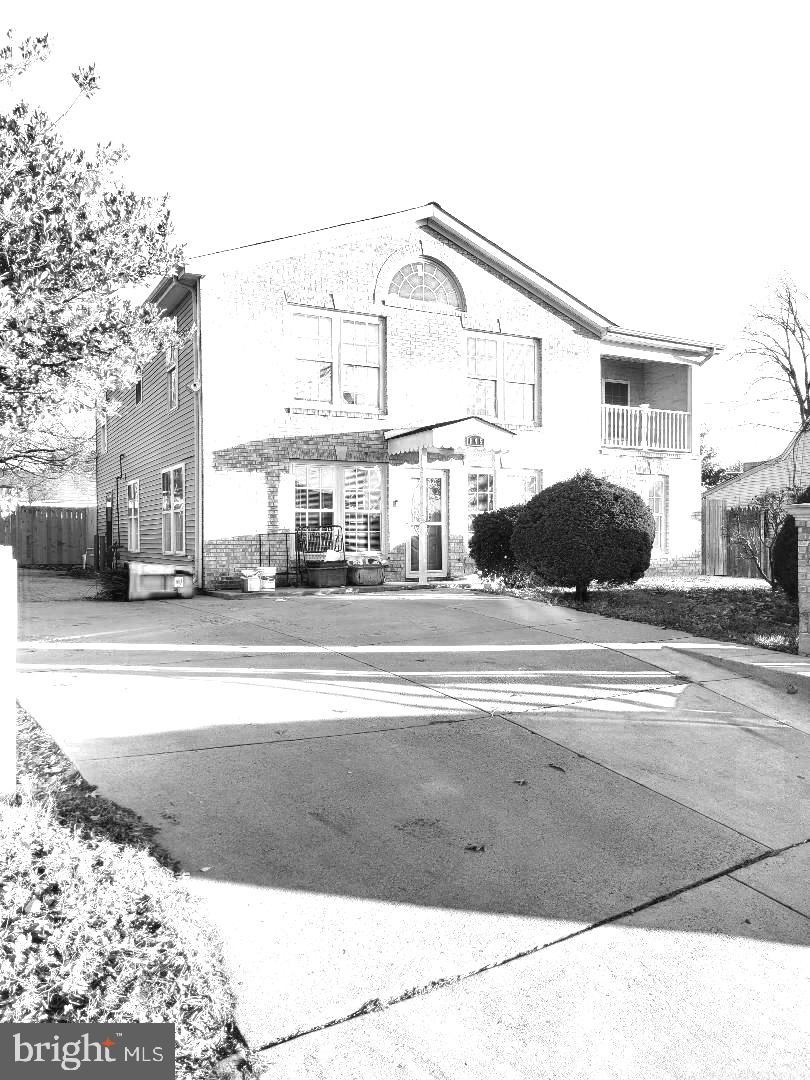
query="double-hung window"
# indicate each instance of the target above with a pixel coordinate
(502, 378)
(362, 508)
(171, 387)
(338, 359)
(173, 510)
(133, 515)
(349, 496)
(480, 495)
(482, 376)
(314, 496)
(657, 502)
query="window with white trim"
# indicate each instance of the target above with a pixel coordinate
(171, 387)
(139, 389)
(133, 515)
(426, 280)
(338, 359)
(314, 496)
(102, 435)
(529, 484)
(502, 378)
(173, 510)
(616, 393)
(349, 496)
(480, 495)
(362, 508)
(657, 502)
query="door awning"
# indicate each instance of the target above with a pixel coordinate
(454, 436)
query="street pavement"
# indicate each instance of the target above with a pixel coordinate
(456, 834)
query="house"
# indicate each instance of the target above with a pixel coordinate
(379, 373)
(789, 470)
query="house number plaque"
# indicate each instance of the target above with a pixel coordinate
(475, 440)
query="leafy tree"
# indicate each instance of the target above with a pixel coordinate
(582, 530)
(711, 472)
(72, 237)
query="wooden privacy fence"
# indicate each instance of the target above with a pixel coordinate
(720, 555)
(49, 535)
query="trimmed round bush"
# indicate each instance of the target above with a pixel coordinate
(582, 530)
(491, 541)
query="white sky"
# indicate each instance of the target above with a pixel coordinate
(650, 158)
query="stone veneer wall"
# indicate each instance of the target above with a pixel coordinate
(801, 512)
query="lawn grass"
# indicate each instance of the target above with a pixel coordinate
(95, 924)
(746, 611)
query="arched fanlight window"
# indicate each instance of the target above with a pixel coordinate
(426, 280)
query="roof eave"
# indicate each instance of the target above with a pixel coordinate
(449, 227)
(698, 351)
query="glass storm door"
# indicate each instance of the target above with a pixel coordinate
(436, 504)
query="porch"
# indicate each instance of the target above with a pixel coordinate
(646, 405)
(641, 427)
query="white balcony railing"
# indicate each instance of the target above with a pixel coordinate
(642, 428)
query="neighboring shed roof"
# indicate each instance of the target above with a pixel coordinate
(788, 469)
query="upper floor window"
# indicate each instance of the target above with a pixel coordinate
(338, 359)
(139, 388)
(616, 393)
(102, 435)
(502, 378)
(426, 280)
(171, 387)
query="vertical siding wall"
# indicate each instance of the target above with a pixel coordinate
(153, 439)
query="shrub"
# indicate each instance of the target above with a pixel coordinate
(785, 557)
(114, 584)
(491, 541)
(582, 530)
(785, 553)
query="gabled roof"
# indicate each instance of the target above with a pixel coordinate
(436, 219)
(441, 436)
(762, 476)
(445, 423)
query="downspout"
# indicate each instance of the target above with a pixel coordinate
(198, 441)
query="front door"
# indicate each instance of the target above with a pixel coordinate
(436, 504)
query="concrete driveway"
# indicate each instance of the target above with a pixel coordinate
(451, 834)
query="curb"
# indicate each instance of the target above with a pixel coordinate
(797, 682)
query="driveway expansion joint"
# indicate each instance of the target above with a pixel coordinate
(376, 1005)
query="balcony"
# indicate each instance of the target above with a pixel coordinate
(638, 427)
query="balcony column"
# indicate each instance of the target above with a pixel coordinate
(645, 426)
